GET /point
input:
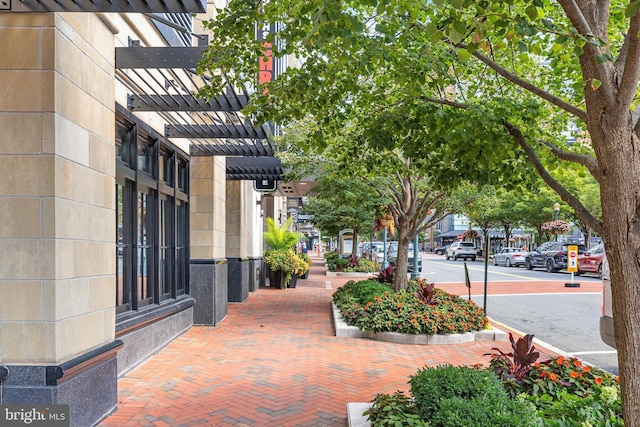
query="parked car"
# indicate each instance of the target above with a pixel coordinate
(464, 250)
(392, 255)
(367, 251)
(440, 250)
(510, 257)
(378, 254)
(606, 320)
(591, 261)
(551, 256)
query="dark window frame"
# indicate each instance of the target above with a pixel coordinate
(166, 265)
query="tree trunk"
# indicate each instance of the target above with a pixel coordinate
(620, 199)
(400, 280)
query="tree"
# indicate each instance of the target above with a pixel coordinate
(477, 203)
(352, 168)
(537, 208)
(491, 80)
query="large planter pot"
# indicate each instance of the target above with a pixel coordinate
(294, 281)
(385, 222)
(276, 279)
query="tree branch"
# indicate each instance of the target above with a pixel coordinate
(583, 27)
(444, 102)
(629, 81)
(572, 201)
(583, 159)
(572, 109)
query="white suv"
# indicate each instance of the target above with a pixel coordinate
(462, 250)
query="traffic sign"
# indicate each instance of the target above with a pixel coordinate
(572, 262)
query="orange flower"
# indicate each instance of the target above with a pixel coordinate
(560, 360)
(543, 374)
(598, 380)
(618, 378)
(577, 363)
(536, 365)
(587, 368)
(553, 377)
(575, 374)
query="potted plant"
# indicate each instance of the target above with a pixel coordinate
(300, 267)
(280, 263)
(307, 259)
(555, 227)
(279, 241)
(383, 219)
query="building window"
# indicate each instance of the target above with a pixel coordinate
(151, 221)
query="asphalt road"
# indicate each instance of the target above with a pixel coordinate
(566, 322)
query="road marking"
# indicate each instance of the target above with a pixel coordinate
(482, 270)
(580, 353)
(535, 340)
(498, 272)
(541, 293)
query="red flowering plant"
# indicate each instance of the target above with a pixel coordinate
(567, 374)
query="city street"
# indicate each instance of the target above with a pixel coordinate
(567, 321)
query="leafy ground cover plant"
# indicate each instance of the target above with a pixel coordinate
(394, 410)
(404, 312)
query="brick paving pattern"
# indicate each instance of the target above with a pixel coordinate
(275, 361)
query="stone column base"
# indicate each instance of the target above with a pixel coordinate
(87, 383)
(209, 286)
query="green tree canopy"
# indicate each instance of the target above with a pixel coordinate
(488, 80)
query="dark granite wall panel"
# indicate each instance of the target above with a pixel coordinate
(209, 287)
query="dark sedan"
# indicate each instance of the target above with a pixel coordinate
(551, 256)
(440, 250)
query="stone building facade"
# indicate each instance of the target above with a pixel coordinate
(114, 237)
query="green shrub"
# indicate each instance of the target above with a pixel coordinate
(502, 412)
(366, 290)
(340, 263)
(331, 256)
(450, 396)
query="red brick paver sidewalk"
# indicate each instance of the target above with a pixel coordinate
(274, 361)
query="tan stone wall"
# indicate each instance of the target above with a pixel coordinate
(234, 219)
(208, 207)
(57, 201)
(244, 224)
(220, 206)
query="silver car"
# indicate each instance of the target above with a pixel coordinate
(510, 257)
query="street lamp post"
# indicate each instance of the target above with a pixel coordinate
(384, 250)
(556, 211)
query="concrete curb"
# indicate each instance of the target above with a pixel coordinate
(354, 414)
(344, 330)
(348, 274)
